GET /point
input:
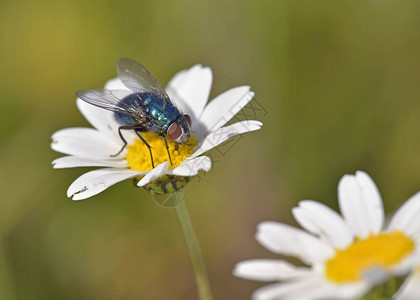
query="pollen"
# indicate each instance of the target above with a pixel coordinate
(138, 155)
(383, 250)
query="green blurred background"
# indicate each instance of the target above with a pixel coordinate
(338, 80)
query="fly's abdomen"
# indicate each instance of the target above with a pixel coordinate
(132, 100)
(124, 119)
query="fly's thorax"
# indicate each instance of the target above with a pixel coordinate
(161, 110)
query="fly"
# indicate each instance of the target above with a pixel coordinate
(144, 107)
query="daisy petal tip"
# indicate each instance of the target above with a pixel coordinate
(202, 163)
(81, 196)
(207, 163)
(265, 226)
(303, 203)
(295, 211)
(75, 194)
(208, 167)
(208, 69)
(205, 69)
(255, 125)
(82, 193)
(153, 174)
(79, 191)
(364, 177)
(191, 167)
(237, 271)
(142, 182)
(345, 178)
(242, 270)
(361, 173)
(245, 88)
(77, 197)
(56, 163)
(197, 66)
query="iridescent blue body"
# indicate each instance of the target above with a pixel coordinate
(159, 112)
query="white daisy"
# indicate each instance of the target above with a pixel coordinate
(189, 91)
(345, 254)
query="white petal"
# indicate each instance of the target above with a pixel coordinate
(154, 174)
(101, 119)
(190, 167)
(278, 290)
(360, 204)
(323, 290)
(75, 161)
(286, 240)
(314, 287)
(323, 221)
(348, 291)
(286, 290)
(407, 219)
(327, 290)
(220, 110)
(268, 270)
(374, 205)
(410, 289)
(115, 84)
(190, 90)
(84, 142)
(223, 134)
(94, 182)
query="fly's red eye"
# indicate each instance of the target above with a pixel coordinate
(174, 131)
(188, 119)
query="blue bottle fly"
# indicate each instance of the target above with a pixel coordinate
(144, 107)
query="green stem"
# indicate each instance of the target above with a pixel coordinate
(202, 281)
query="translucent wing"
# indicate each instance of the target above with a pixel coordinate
(137, 78)
(111, 100)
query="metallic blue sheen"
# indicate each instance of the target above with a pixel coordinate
(162, 111)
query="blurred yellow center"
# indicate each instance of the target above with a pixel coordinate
(383, 250)
(138, 155)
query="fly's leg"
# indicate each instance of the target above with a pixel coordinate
(137, 131)
(122, 138)
(167, 148)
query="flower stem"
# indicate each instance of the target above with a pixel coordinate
(202, 281)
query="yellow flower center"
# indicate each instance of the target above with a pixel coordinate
(138, 155)
(383, 250)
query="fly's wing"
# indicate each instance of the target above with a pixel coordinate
(138, 79)
(111, 100)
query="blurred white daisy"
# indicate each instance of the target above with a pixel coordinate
(345, 254)
(189, 91)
